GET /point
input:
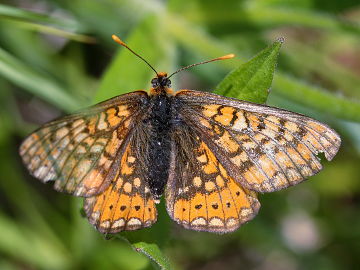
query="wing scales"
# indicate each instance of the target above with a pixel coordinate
(200, 195)
(263, 148)
(127, 203)
(78, 152)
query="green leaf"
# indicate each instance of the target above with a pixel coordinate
(153, 252)
(251, 81)
(150, 250)
(128, 73)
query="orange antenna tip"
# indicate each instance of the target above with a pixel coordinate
(122, 43)
(228, 56)
(118, 40)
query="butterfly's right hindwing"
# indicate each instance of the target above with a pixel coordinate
(200, 194)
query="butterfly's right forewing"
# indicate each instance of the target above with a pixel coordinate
(263, 148)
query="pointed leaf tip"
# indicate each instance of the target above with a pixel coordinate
(280, 39)
(252, 80)
(153, 252)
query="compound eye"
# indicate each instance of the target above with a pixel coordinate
(155, 82)
(168, 83)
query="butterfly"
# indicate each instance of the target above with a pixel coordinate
(209, 155)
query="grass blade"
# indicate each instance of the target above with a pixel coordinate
(39, 85)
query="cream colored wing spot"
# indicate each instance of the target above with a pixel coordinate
(209, 200)
(126, 204)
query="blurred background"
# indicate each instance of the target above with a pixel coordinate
(57, 56)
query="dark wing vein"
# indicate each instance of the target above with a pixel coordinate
(78, 151)
(263, 148)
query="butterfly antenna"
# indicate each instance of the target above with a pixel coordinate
(122, 43)
(228, 56)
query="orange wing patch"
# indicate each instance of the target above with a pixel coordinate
(126, 204)
(204, 197)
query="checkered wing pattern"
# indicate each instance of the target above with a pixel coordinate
(262, 148)
(127, 203)
(80, 152)
(200, 194)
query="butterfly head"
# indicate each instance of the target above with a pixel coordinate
(161, 83)
(161, 80)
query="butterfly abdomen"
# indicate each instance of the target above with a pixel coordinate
(160, 120)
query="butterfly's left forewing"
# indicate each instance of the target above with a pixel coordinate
(80, 151)
(262, 148)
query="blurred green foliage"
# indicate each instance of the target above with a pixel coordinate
(56, 56)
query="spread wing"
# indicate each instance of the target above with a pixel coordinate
(127, 203)
(262, 148)
(200, 194)
(81, 152)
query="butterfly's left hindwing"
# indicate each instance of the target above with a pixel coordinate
(79, 151)
(262, 148)
(127, 203)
